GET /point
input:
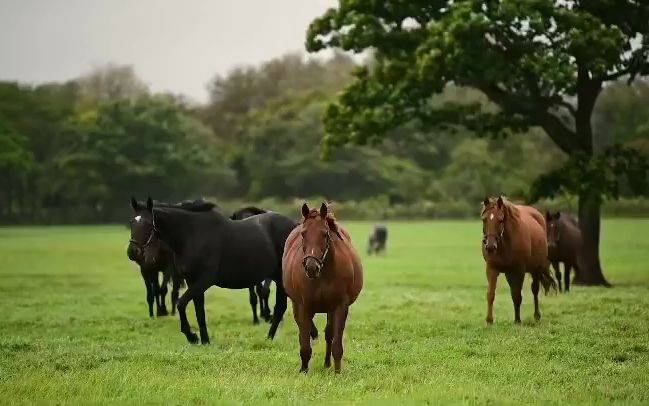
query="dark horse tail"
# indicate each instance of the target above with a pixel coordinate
(547, 280)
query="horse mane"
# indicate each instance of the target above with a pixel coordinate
(331, 220)
(197, 205)
(510, 209)
(250, 209)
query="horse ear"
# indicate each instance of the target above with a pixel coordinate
(149, 204)
(557, 215)
(305, 210)
(548, 215)
(134, 204)
(323, 210)
(485, 202)
(500, 202)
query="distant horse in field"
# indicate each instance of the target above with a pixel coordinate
(564, 244)
(322, 274)
(211, 249)
(163, 262)
(377, 239)
(514, 243)
(263, 289)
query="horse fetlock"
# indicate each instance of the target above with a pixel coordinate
(191, 337)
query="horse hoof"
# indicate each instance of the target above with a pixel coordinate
(537, 317)
(255, 321)
(192, 338)
(205, 342)
(490, 321)
(304, 370)
(162, 312)
(517, 321)
(327, 364)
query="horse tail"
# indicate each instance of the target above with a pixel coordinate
(547, 280)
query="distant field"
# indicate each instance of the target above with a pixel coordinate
(74, 328)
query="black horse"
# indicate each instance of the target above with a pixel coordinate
(211, 249)
(263, 288)
(377, 239)
(163, 262)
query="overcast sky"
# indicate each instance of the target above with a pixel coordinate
(175, 45)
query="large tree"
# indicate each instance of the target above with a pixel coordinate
(542, 62)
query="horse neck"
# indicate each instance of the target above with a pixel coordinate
(175, 226)
(512, 223)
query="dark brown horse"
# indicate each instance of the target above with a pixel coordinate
(564, 244)
(514, 243)
(322, 273)
(163, 263)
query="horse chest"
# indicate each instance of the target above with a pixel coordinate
(322, 297)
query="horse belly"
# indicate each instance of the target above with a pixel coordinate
(247, 269)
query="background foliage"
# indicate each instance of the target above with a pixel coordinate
(73, 152)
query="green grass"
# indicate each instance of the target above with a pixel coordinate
(74, 328)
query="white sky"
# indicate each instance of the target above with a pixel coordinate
(175, 45)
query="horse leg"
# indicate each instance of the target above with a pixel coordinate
(566, 276)
(329, 337)
(337, 343)
(515, 281)
(199, 309)
(162, 307)
(278, 310)
(194, 289)
(263, 301)
(266, 290)
(492, 280)
(175, 290)
(149, 291)
(304, 320)
(253, 304)
(314, 331)
(536, 282)
(557, 273)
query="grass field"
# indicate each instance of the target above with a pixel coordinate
(74, 328)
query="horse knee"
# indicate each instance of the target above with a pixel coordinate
(491, 296)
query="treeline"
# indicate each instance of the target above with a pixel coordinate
(75, 151)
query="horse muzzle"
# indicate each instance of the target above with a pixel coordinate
(312, 268)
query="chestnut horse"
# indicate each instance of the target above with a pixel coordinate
(514, 243)
(564, 244)
(322, 273)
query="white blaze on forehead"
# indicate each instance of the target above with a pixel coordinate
(312, 251)
(138, 218)
(491, 216)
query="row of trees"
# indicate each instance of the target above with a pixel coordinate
(75, 151)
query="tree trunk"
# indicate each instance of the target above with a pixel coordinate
(590, 269)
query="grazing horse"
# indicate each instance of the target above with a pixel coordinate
(212, 250)
(163, 262)
(263, 288)
(564, 244)
(377, 239)
(514, 243)
(322, 274)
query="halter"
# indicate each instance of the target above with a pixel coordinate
(320, 260)
(499, 236)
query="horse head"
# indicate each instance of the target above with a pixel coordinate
(493, 223)
(317, 227)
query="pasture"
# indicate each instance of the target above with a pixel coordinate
(74, 328)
